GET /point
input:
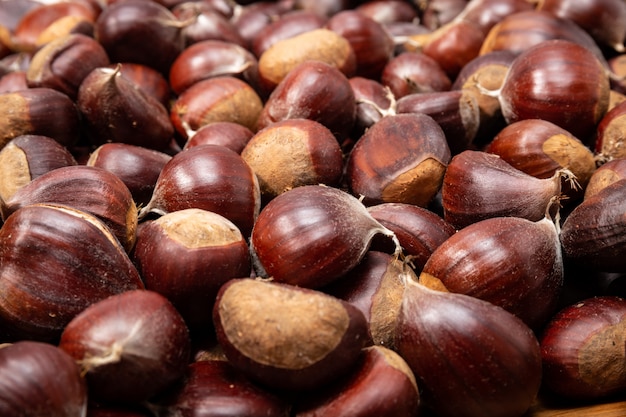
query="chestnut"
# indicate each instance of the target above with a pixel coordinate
(373, 101)
(233, 135)
(401, 158)
(201, 22)
(609, 138)
(313, 90)
(186, 256)
(414, 72)
(292, 153)
(487, 13)
(287, 338)
(388, 11)
(64, 63)
(40, 378)
(78, 262)
(606, 174)
(27, 157)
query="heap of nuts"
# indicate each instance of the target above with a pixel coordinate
(301, 208)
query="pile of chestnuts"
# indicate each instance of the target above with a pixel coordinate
(299, 208)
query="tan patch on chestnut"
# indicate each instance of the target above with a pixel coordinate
(601, 179)
(397, 362)
(386, 305)
(603, 357)
(15, 170)
(243, 107)
(298, 330)
(571, 154)
(280, 159)
(469, 110)
(614, 138)
(195, 228)
(318, 44)
(489, 77)
(14, 118)
(418, 185)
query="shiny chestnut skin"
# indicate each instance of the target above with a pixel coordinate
(212, 58)
(373, 46)
(373, 101)
(147, 79)
(73, 251)
(39, 111)
(388, 11)
(202, 22)
(217, 99)
(233, 135)
(401, 159)
(39, 378)
(123, 29)
(313, 90)
(64, 63)
(414, 72)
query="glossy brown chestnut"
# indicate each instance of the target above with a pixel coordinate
(64, 63)
(233, 135)
(292, 153)
(487, 13)
(593, 233)
(251, 18)
(186, 256)
(40, 378)
(13, 81)
(509, 261)
(541, 148)
(141, 32)
(39, 111)
(313, 90)
(373, 101)
(382, 385)
(285, 337)
(26, 157)
(457, 112)
(478, 185)
(373, 46)
(437, 13)
(401, 158)
(217, 99)
(311, 235)
(212, 58)
(216, 385)
(137, 167)
(388, 11)
(201, 22)
(209, 177)
(551, 76)
(147, 79)
(469, 357)
(375, 287)
(90, 189)
(130, 346)
(116, 110)
(323, 45)
(414, 72)
(74, 261)
(419, 230)
(582, 349)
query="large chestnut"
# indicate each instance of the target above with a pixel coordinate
(74, 261)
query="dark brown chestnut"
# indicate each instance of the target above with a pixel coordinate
(39, 111)
(373, 46)
(383, 384)
(26, 157)
(130, 346)
(146, 79)
(211, 385)
(209, 177)
(115, 109)
(212, 58)
(74, 261)
(292, 153)
(143, 32)
(511, 262)
(288, 338)
(414, 72)
(373, 101)
(437, 13)
(401, 158)
(201, 22)
(217, 99)
(86, 188)
(39, 378)
(186, 256)
(487, 13)
(311, 235)
(582, 350)
(313, 90)
(388, 11)
(137, 167)
(65, 62)
(233, 135)
(469, 357)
